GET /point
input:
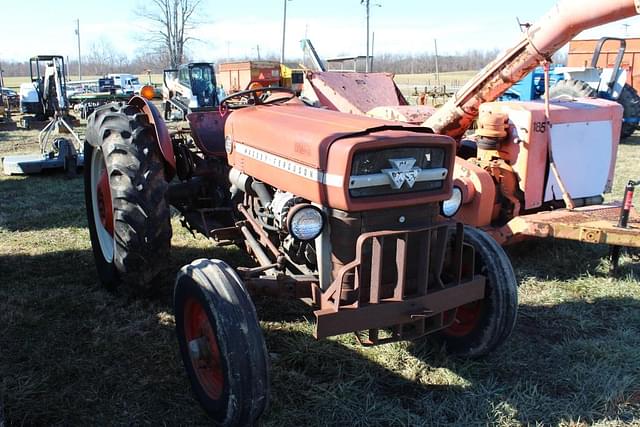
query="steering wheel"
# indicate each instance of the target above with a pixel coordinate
(255, 98)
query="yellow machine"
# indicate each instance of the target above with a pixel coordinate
(292, 76)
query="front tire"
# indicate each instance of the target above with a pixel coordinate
(221, 343)
(127, 214)
(480, 327)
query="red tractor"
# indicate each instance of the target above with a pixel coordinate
(344, 212)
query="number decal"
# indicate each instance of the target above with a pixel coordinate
(540, 127)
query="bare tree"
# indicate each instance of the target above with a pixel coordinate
(172, 21)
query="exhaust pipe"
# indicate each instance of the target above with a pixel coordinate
(540, 41)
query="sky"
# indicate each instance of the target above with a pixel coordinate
(235, 28)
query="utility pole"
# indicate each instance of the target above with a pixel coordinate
(258, 49)
(284, 29)
(373, 42)
(435, 43)
(367, 5)
(626, 29)
(79, 56)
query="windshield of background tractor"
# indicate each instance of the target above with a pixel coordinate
(203, 85)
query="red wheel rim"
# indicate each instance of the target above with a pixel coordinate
(105, 206)
(203, 349)
(466, 319)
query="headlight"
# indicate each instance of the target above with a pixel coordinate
(451, 206)
(305, 222)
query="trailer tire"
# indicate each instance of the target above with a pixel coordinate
(630, 101)
(480, 327)
(125, 187)
(221, 343)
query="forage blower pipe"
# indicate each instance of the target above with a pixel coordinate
(541, 40)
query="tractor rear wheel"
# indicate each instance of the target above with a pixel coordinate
(125, 186)
(571, 89)
(481, 326)
(630, 101)
(221, 343)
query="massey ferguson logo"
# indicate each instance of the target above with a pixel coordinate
(403, 171)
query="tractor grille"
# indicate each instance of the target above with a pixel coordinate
(397, 170)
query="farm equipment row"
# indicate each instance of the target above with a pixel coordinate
(362, 218)
(47, 101)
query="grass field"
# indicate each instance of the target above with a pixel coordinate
(74, 354)
(454, 77)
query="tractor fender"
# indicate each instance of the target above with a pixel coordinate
(162, 133)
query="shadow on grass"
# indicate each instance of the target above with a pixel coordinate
(40, 202)
(572, 361)
(551, 259)
(76, 354)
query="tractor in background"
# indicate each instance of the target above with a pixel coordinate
(46, 94)
(190, 87)
(606, 83)
(46, 98)
(588, 81)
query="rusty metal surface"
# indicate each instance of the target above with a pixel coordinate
(355, 93)
(413, 114)
(390, 313)
(313, 158)
(162, 133)
(591, 224)
(540, 41)
(207, 129)
(415, 294)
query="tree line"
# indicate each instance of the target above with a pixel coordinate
(171, 29)
(102, 58)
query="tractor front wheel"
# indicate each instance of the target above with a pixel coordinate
(481, 326)
(221, 343)
(128, 216)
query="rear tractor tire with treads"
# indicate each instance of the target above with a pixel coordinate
(125, 187)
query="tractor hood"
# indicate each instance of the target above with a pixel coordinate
(310, 152)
